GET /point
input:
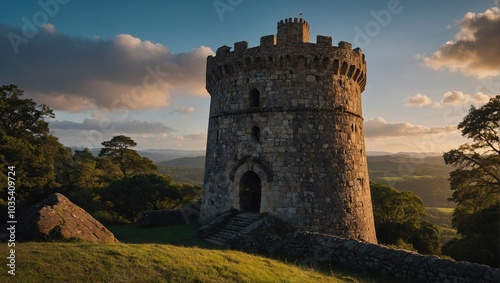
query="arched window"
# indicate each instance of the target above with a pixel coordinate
(254, 98)
(256, 134)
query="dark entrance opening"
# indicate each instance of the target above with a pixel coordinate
(250, 192)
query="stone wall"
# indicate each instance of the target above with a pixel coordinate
(402, 264)
(290, 111)
(271, 236)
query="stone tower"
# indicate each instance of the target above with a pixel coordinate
(285, 134)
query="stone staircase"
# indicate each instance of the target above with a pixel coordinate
(232, 227)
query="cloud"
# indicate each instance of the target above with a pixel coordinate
(379, 127)
(196, 141)
(480, 98)
(418, 100)
(111, 127)
(183, 110)
(193, 137)
(453, 97)
(475, 50)
(76, 74)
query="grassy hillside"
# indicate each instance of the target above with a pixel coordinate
(194, 162)
(183, 174)
(93, 262)
(441, 216)
(427, 177)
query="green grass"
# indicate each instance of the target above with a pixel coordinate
(447, 210)
(405, 178)
(187, 236)
(98, 262)
(178, 235)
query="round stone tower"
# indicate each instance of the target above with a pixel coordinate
(285, 133)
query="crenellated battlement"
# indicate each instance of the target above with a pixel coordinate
(289, 50)
(290, 21)
(313, 58)
(292, 31)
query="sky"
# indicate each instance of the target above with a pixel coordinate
(137, 68)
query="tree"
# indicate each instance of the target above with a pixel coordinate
(81, 175)
(479, 238)
(129, 197)
(398, 221)
(476, 184)
(26, 143)
(118, 151)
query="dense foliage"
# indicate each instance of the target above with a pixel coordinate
(398, 220)
(129, 197)
(114, 186)
(476, 184)
(26, 144)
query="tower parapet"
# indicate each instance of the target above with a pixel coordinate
(286, 133)
(293, 31)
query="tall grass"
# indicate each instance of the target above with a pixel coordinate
(99, 262)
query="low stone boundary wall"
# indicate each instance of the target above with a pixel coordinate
(372, 258)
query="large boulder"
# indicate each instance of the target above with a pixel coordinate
(56, 218)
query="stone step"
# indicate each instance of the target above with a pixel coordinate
(215, 242)
(238, 225)
(241, 221)
(222, 237)
(225, 234)
(232, 227)
(244, 221)
(247, 216)
(230, 230)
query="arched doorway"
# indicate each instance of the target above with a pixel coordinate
(250, 192)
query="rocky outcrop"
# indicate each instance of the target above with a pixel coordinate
(56, 218)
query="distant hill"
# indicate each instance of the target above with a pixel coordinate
(157, 155)
(189, 170)
(194, 162)
(377, 153)
(427, 177)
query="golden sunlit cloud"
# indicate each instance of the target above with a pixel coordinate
(418, 100)
(475, 49)
(379, 128)
(77, 74)
(454, 97)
